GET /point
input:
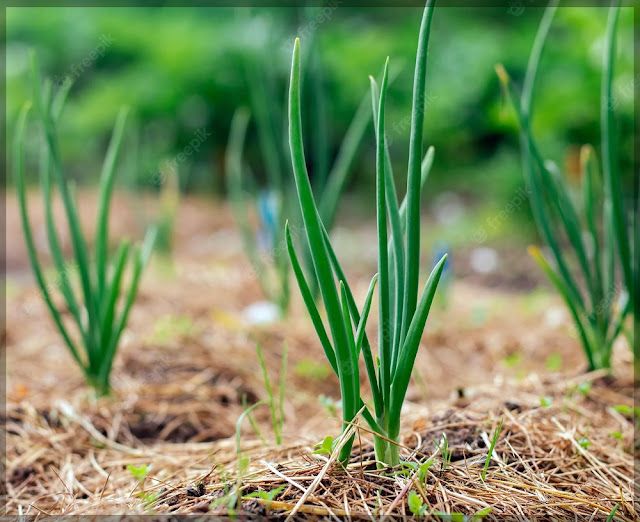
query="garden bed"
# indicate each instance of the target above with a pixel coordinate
(165, 441)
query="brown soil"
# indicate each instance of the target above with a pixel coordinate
(187, 366)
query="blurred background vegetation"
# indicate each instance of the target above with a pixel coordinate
(180, 70)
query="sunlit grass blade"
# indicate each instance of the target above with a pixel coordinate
(492, 446)
(274, 402)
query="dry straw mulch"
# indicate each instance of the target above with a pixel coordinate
(565, 452)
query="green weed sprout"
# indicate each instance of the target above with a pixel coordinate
(274, 401)
(594, 299)
(273, 202)
(168, 204)
(101, 309)
(402, 317)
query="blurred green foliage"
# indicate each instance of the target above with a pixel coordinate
(179, 69)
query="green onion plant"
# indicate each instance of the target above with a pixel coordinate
(402, 316)
(168, 204)
(100, 309)
(273, 202)
(588, 235)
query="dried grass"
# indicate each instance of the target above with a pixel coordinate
(559, 461)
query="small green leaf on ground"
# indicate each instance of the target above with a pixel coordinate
(584, 442)
(325, 447)
(584, 388)
(479, 515)
(613, 513)
(546, 401)
(266, 495)
(626, 410)
(416, 504)
(554, 362)
(138, 472)
(513, 359)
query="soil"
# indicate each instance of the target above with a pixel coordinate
(186, 369)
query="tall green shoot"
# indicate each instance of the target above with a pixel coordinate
(273, 200)
(100, 311)
(572, 234)
(402, 315)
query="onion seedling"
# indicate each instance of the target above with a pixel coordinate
(168, 204)
(402, 316)
(101, 309)
(572, 234)
(273, 203)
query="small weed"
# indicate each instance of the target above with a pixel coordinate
(584, 442)
(416, 504)
(138, 472)
(554, 362)
(546, 401)
(443, 446)
(275, 402)
(494, 441)
(584, 388)
(266, 495)
(325, 446)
